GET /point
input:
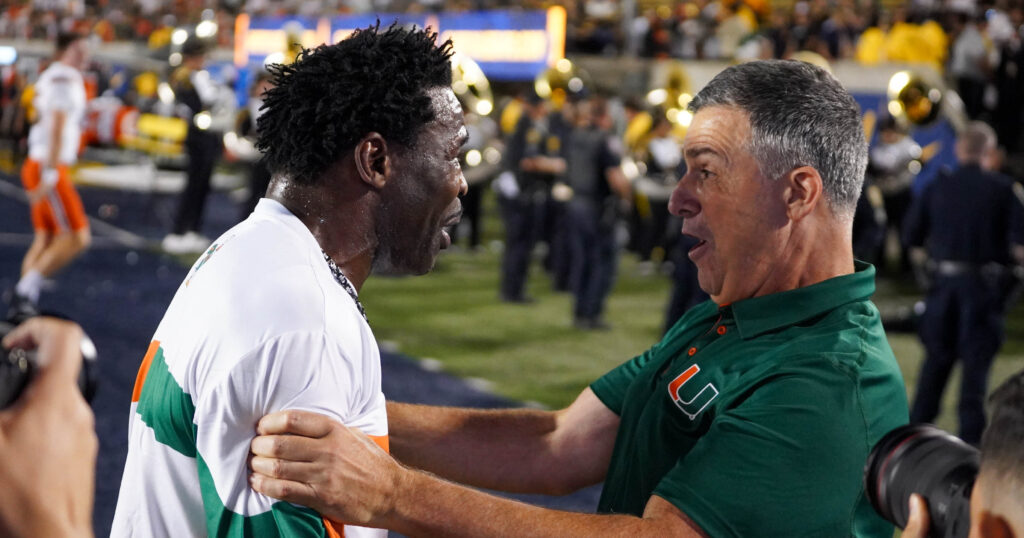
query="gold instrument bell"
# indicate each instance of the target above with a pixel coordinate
(672, 94)
(560, 81)
(471, 86)
(913, 99)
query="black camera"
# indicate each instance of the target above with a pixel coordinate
(922, 459)
(18, 367)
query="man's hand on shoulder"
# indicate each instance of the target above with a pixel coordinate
(310, 459)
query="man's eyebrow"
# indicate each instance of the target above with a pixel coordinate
(693, 153)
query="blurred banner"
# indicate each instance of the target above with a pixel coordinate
(507, 44)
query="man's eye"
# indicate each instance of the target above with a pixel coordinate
(705, 173)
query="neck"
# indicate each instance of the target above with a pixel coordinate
(338, 214)
(820, 248)
(815, 250)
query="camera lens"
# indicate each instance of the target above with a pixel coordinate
(15, 371)
(18, 366)
(923, 459)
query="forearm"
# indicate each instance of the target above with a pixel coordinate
(56, 139)
(426, 506)
(509, 450)
(618, 183)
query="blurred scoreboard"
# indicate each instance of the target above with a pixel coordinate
(507, 44)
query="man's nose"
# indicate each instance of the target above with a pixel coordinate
(683, 203)
(463, 185)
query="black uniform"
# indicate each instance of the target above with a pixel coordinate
(966, 220)
(259, 174)
(203, 148)
(591, 219)
(525, 214)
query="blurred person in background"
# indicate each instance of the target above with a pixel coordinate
(599, 188)
(890, 169)
(1008, 118)
(534, 156)
(58, 217)
(969, 62)
(48, 444)
(195, 94)
(259, 175)
(966, 226)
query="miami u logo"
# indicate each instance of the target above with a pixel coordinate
(695, 405)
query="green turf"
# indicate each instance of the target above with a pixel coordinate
(532, 352)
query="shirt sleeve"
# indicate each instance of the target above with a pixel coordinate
(788, 458)
(306, 371)
(611, 388)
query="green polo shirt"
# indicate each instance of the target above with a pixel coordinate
(756, 418)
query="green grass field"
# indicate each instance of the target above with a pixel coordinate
(532, 353)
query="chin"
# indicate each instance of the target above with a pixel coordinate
(394, 266)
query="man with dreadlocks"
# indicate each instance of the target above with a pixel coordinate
(362, 140)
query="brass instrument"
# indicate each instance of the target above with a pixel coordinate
(918, 99)
(471, 86)
(560, 81)
(481, 156)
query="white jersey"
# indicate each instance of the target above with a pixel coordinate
(258, 325)
(59, 88)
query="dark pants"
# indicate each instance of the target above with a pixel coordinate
(963, 320)
(203, 148)
(972, 92)
(471, 203)
(896, 206)
(523, 221)
(556, 231)
(594, 257)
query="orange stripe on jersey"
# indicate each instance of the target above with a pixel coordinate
(140, 379)
(382, 441)
(334, 530)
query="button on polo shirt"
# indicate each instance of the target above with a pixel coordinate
(756, 418)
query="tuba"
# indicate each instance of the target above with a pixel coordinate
(471, 86)
(672, 94)
(918, 99)
(561, 81)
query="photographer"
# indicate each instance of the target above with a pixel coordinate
(47, 441)
(997, 500)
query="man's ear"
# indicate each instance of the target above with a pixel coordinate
(803, 191)
(994, 526)
(372, 160)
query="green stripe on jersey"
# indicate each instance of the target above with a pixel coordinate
(167, 409)
(284, 519)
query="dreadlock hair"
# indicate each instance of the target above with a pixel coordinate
(331, 96)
